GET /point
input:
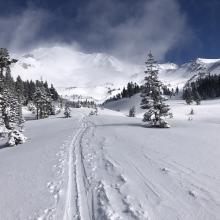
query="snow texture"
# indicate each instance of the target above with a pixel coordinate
(110, 166)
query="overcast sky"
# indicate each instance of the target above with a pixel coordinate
(175, 30)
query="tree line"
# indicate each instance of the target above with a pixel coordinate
(128, 91)
(208, 87)
(203, 88)
(16, 93)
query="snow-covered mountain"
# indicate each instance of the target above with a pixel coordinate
(98, 76)
(174, 75)
(94, 75)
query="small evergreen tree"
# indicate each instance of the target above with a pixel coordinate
(42, 100)
(177, 90)
(195, 94)
(96, 110)
(192, 112)
(67, 111)
(54, 94)
(152, 99)
(132, 112)
(188, 96)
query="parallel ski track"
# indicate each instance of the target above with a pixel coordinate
(77, 186)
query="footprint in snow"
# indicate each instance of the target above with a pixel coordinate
(165, 170)
(191, 193)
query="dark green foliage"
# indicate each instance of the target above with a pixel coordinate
(28, 89)
(188, 95)
(54, 94)
(208, 87)
(203, 88)
(67, 111)
(132, 112)
(42, 100)
(78, 104)
(130, 90)
(195, 94)
(152, 99)
(8, 98)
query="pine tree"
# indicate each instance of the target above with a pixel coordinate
(196, 96)
(130, 89)
(7, 90)
(187, 95)
(42, 101)
(191, 112)
(132, 112)
(152, 99)
(54, 94)
(177, 90)
(96, 110)
(9, 103)
(67, 111)
(19, 87)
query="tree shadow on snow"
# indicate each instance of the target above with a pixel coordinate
(138, 125)
(3, 145)
(123, 125)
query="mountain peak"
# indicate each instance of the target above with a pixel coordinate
(206, 61)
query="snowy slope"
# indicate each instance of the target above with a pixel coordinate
(206, 111)
(112, 167)
(158, 174)
(173, 75)
(31, 174)
(73, 72)
(98, 76)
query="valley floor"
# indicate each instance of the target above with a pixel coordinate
(111, 167)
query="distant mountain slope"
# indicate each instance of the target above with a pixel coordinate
(94, 75)
(98, 76)
(123, 105)
(173, 75)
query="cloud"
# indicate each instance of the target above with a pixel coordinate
(156, 25)
(19, 32)
(127, 29)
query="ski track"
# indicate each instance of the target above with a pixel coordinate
(98, 188)
(89, 197)
(76, 206)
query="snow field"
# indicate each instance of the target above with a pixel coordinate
(111, 167)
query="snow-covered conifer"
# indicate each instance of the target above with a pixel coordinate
(132, 112)
(192, 112)
(67, 111)
(10, 106)
(152, 99)
(187, 95)
(42, 101)
(15, 137)
(96, 110)
(196, 97)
